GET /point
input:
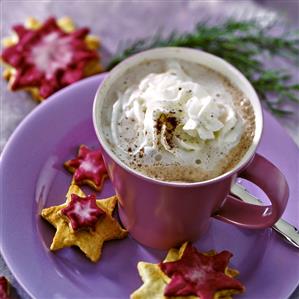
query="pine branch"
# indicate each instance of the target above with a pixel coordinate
(243, 44)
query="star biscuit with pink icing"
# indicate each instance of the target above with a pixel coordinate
(189, 274)
(88, 168)
(82, 212)
(85, 222)
(44, 57)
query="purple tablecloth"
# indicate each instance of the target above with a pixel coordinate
(122, 20)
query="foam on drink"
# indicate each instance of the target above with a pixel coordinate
(180, 121)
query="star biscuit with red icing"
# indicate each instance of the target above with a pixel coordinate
(88, 168)
(188, 274)
(85, 222)
(44, 57)
(82, 212)
(4, 288)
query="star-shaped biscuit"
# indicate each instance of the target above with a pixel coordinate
(88, 168)
(155, 281)
(43, 57)
(89, 241)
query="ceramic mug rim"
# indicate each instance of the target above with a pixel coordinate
(192, 55)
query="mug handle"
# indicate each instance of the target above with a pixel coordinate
(270, 179)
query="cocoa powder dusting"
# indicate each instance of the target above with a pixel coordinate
(170, 123)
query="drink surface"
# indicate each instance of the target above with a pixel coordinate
(175, 120)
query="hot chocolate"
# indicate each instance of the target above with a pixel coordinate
(179, 121)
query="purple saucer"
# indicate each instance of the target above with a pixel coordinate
(32, 177)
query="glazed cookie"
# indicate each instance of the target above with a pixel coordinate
(88, 168)
(187, 273)
(85, 222)
(44, 57)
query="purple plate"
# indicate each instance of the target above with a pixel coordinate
(32, 177)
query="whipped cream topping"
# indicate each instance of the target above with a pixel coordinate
(171, 114)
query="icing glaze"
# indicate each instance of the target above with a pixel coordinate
(82, 212)
(199, 274)
(89, 165)
(4, 288)
(48, 58)
(51, 53)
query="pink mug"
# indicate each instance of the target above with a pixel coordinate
(164, 214)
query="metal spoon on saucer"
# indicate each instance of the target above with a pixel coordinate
(289, 232)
